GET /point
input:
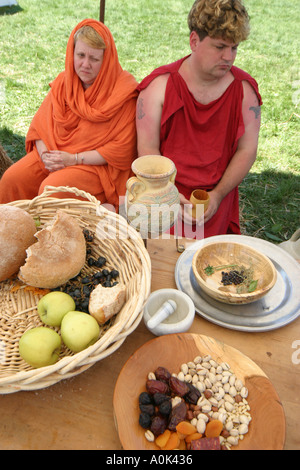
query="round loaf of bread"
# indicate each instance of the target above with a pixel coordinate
(57, 256)
(17, 229)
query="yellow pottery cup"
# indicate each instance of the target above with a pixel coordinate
(199, 196)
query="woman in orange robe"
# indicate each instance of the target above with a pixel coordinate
(84, 134)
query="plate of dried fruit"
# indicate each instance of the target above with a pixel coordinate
(220, 396)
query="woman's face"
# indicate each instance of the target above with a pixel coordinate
(87, 62)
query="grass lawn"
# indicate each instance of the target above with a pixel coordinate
(34, 35)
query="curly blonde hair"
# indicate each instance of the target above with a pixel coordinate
(226, 19)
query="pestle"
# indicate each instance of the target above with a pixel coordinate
(163, 312)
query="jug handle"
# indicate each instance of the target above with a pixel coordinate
(134, 187)
(295, 236)
(173, 176)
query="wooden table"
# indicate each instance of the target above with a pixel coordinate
(77, 413)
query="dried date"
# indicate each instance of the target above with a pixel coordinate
(162, 374)
(193, 394)
(156, 386)
(178, 387)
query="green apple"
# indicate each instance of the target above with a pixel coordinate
(40, 346)
(53, 307)
(79, 330)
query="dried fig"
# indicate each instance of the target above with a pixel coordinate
(177, 415)
(158, 425)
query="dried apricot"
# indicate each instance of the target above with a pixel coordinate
(163, 438)
(182, 445)
(214, 428)
(193, 437)
(186, 428)
(173, 442)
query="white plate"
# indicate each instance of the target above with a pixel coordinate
(276, 309)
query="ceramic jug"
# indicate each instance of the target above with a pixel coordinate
(292, 246)
(152, 199)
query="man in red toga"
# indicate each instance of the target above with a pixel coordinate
(204, 114)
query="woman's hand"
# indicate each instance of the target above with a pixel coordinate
(55, 160)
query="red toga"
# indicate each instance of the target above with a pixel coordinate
(202, 139)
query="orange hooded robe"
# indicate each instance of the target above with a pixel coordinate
(75, 120)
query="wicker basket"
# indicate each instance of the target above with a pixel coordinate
(124, 250)
(5, 161)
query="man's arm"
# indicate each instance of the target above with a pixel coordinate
(245, 155)
(148, 116)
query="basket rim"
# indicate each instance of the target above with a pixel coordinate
(67, 366)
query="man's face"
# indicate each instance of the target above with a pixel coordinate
(87, 62)
(214, 57)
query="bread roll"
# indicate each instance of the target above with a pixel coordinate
(57, 256)
(106, 302)
(17, 229)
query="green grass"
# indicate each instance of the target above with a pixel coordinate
(148, 34)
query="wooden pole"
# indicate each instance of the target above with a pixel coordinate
(102, 10)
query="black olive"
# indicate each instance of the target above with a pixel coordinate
(98, 275)
(149, 409)
(101, 261)
(145, 398)
(106, 284)
(145, 420)
(88, 236)
(114, 273)
(159, 398)
(84, 307)
(77, 293)
(86, 290)
(165, 407)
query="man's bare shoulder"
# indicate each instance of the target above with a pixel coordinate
(250, 101)
(157, 86)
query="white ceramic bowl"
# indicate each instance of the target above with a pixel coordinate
(179, 321)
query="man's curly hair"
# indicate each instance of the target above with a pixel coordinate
(225, 19)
